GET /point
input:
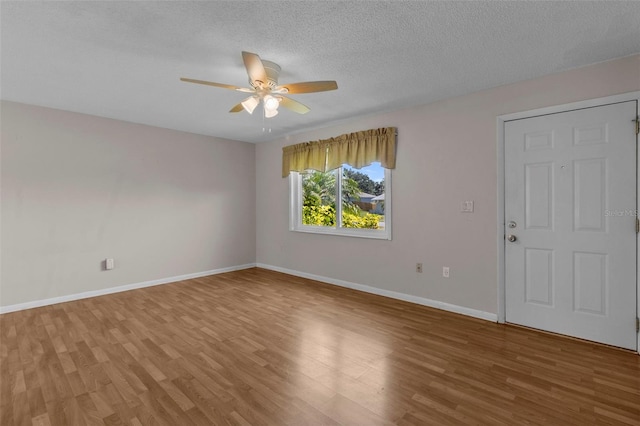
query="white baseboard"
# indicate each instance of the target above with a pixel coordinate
(111, 290)
(387, 293)
(361, 287)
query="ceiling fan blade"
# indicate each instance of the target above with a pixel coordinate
(294, 106)
(211, 83)
(307, 87)
(255, 69)
(237, 108)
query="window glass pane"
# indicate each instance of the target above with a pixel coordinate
(363, 197)
(319, 198)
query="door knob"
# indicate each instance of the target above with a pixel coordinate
(511, 238)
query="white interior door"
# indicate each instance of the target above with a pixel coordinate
(570, 204)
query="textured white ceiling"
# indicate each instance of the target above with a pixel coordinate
(123, 60)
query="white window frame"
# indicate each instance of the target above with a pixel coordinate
(295, 212)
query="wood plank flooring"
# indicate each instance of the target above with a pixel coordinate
(257, 347)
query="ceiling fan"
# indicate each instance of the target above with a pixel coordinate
(263, 78)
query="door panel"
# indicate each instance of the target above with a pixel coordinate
(590, 283)
(539, 276)
(570, 189)
(589, 191)
(538, 187)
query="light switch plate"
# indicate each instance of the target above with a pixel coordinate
(467, 207)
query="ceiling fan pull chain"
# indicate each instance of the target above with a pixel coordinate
(264, 128)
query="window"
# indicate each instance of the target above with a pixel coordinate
(342, 200)
(363, 210)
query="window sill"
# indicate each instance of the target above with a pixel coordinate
(344, 232)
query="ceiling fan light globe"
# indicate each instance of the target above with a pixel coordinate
(271, 103)
(270, 113)
(250, 104)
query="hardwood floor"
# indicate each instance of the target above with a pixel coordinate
(257, 347)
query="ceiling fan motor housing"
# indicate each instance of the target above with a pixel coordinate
(273, 71)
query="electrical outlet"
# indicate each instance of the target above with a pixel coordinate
(467, 206)
(445, 271)
(419, 267)
(109, 264)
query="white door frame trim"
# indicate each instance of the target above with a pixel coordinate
(500, 122)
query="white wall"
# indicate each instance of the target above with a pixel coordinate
(446, 154)
(77, 189)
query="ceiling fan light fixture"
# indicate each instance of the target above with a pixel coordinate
(271, 103)
(250, 104)
(270, 113)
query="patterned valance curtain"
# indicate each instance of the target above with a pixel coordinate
(357, 149)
